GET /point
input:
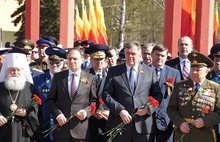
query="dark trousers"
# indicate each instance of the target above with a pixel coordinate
(133, 136)
(69, 140)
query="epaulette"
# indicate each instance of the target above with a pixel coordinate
(37, 70)
(181, 81)
(212, 82)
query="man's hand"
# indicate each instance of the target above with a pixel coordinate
(184, 127)
(61, 119)
(142, 112)
(81, 114)
(199, 123)
(98, 114)
(125, 116)
(21, 112)
(3, 120)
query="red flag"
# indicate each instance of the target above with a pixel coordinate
(102, 36)
(78, 26)
(93, 34)
(216, 23)
(188, 22)
(86, 26)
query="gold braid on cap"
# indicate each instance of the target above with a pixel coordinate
(55, 57)
(98, 54)
(195, 63)
(27, 47)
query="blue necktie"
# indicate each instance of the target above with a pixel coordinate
(132, 80)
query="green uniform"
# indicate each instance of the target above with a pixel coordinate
(186, 104)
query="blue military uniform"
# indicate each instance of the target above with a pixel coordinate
(214, 76)
(43, 83)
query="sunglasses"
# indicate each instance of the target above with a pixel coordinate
(35, 52)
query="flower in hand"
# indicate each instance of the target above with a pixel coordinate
(21, 111)
(127, 118)
(81, 115)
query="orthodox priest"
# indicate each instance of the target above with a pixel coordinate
(18, 114)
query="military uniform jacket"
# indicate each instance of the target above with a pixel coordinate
(43, 83)
(185, 103)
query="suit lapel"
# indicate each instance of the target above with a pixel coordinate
(140, 74)
(124, 76)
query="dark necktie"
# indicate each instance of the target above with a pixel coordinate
(197, 86)
(73, 86)
(131, 79)
(185, 70)
(158, 73)
(99, 78)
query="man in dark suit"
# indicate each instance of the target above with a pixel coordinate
(98, 53)
(185, 46)
(194, 103)
(127, 88)
(70, 94)
(167, 77)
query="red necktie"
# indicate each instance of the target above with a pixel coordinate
(185, 70)
(73, 86)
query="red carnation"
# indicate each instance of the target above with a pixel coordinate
(101, 101)
(205, 110)
(92, 108)
(170, 80)
(38, 100)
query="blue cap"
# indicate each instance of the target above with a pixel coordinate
(56, 54)
(44, 42)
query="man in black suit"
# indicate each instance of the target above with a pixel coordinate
(185, 46)
(127, 88)
(98, 54)
(70, 94)
(167, 77)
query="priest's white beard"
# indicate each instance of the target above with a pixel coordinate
(15, 83)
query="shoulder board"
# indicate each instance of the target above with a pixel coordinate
(37, 70)
(212, 82)
(181, 81)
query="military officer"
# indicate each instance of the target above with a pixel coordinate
(194, 104)
(43, 84)
(42, 62)
(98, 53)
(28, 45)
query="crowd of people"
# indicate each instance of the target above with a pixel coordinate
(90, 89)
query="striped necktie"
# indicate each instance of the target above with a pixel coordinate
(185, 70)
(73, 86)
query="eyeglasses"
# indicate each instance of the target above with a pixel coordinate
(35, 52)
(57, 63)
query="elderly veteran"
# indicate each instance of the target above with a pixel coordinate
(43, 83)
(194, 104)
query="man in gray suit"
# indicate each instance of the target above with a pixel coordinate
(70, 93)
(167, 77)
(127, 88)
